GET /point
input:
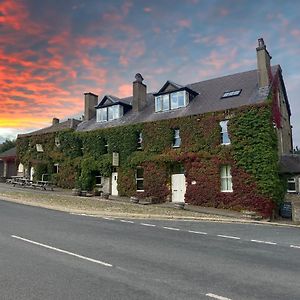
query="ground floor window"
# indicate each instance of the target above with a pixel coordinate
(226, 179)
(56, 168)
(291, 185)
(140, 179)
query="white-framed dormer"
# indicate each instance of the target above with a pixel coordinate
(111, 108)
(172, 96)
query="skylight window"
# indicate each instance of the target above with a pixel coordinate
(231, 93)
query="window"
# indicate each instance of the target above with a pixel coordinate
(55, 168)
(140, 141)
(105, 146)
(39, 148)
(140, 179)
(109, 113)
(171, 101)
(57, 142)
(178, 99)
(21, 168)
(231, 93)
(291, 185)
(177, 139)
(226, 179)
(224, 133)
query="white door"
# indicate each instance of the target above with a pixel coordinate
(114, 184)
(178, 187)
(31, 173)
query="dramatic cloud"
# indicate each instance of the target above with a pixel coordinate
(51, 52)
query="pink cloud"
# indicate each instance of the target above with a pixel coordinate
(184, 23)
(125, 90)
(295, 33)
(147, 9)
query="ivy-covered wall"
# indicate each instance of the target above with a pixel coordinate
(252, 155)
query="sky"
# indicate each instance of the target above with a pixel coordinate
(53, 51)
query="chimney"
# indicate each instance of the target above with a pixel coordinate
(263, 64)
(139, 93)
(90, 101)
(55, 121)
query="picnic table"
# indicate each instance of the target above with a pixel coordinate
(25, 182)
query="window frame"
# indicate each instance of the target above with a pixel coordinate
(291, 180)
(139, 179)
(161, 99)
(109, 113)
(224, 132)
(176, 137)
(140, 141)
(227, 177)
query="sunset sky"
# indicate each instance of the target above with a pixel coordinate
(51, 52)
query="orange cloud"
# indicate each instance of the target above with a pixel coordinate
(125, 90)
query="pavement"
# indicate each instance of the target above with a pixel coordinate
(199, 212)
(47, 254)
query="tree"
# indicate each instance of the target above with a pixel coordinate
(8, 144)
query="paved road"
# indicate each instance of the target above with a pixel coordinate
(54, 255)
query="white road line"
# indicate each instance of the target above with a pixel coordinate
(264, 242)
(106, 218)
(171, 228)
(216, 296)
(146, 224)
(127, 221)
(63, 251)
(197, 232)
(228, 237)
(294, 246)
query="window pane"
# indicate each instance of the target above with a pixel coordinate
(139, 173)
(224, 132)
(174, 100)
(111, 113)
(224, 186)
(166, 103)
(102, 114)
(158, 103)
(181, 101)
(140, 185)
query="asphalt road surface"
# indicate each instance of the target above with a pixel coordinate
(46, 254)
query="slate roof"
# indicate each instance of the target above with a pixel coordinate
(208, 100)
(9, 153)
(290, 163)
(69, 124)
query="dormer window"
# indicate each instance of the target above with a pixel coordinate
(171, 101)
(109, 113)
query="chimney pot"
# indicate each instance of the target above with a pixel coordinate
(55, 121)
(90, 101)
(139, 93)
(263, 64)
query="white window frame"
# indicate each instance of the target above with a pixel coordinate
(176, 138)
(293, 181)
(227, 177)
(139, 179)
(56, 166)
(109, 113)
(39, 148)
(224, 131)
(166, 102)
(140, 141)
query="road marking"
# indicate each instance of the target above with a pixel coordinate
(146, 224)
(228, 237)
(263, 242)
(216, 296)
(294, 246)
(106, 218)
(127, 221)
(197, 232)
(171, 228)
(63, 251)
